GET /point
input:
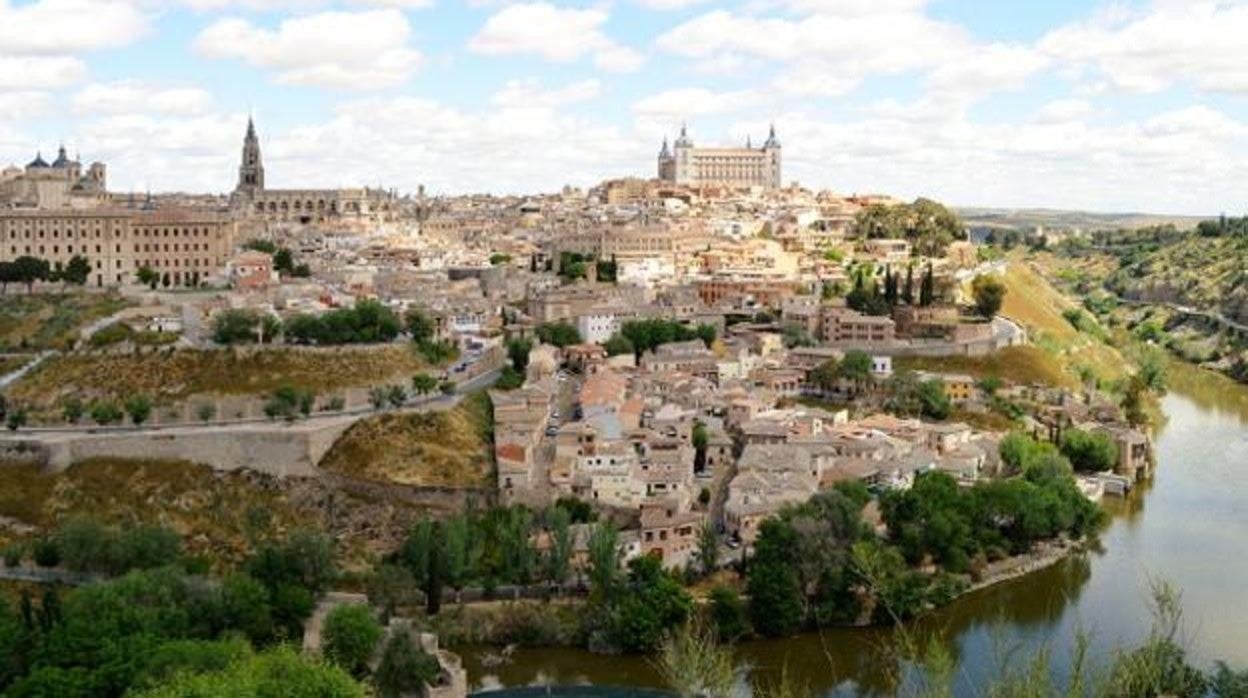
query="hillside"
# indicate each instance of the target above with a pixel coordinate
(1032, 301)
(1209, 273)
(170, 375)
(219, 514)
(50, 320)
(430, 449)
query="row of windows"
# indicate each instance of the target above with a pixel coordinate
(69, 250)
(188, 247)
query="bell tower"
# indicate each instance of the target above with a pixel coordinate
(251, 171)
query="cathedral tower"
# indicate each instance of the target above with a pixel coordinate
(251, 171)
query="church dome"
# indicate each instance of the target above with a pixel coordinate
(62, 160)
(38, 161)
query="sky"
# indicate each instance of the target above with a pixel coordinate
(1107, 106)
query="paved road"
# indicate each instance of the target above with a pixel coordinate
(316, 419)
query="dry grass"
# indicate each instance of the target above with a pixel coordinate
(11, 362)
(219, 514)
(51, 320)
(431, 449)
(1021, 365)
(214, 512)
(1032, 301)
(169, 375)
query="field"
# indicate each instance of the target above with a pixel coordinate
(50, 320)
(218, 514)
(169, 375)
(431, 449)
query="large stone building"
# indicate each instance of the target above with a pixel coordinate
(187, 245)
(57, 185)
(726, 167)
(302, 205)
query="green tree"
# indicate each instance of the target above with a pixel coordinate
(651, 601)
(105, 413)
(1089, 451)
(423, 384)
(708, 549)
(278, 672)
(855, 367)
(618, 345)
(518, 349)
(139, 407)
(390, 588)
(701, 439)
(776, 603)
(604, 560)
(147, 276)
(419, 326)
(559, 334)
(559, 553)
(989, 294)
(728, 614)
(404, 668)
(349, 636)
(76, 271)
(28, 270)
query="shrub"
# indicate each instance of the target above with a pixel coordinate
(105, 413)
(404, 668)
(115, 333)
(350, 635)
(13, 553)
(46, 553)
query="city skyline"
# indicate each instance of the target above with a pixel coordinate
(1124, 106)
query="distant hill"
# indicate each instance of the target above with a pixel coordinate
(1051, 219)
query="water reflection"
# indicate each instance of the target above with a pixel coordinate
(1192, 536)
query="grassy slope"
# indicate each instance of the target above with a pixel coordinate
(171, 375)
(1022, 365)
(443, 449)
(219, 514)
(1033, 302)
(50, 320)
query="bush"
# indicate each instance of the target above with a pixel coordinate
(139, 407)
(46, 553)
(728, 613)
(105, 413)
(115, 333)
(13, 553)
(350, 634)
(1089, 451)
(405, 668)
(367, 322)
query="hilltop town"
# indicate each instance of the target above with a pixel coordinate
(672, 368)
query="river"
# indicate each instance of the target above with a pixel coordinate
(1188, 527)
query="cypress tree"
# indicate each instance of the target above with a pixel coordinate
(908, 293)
(927, 291)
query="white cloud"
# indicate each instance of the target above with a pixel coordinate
(667, 5)
(271, 5)
(1200, 42)
(529, 93)
(39, 72)
(352, 50)
(68, 26)
(26, 104)
(554, 33)
(694, 101)
(129, 97)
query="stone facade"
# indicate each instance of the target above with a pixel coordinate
(727, 167)
(188, 245)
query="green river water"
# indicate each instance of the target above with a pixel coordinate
(1188, 527)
